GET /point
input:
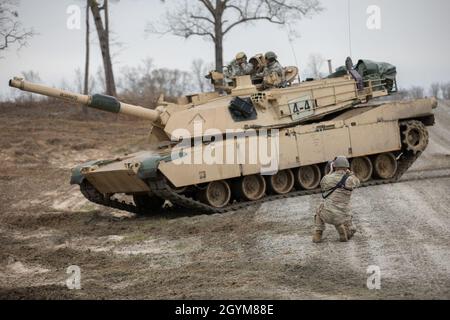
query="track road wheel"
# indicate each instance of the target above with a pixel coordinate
(308, 177)
(362, 167)
(282, 182)
(385, 165)
(217, 194)
(415, 136)
(147, 204)
(250, 188)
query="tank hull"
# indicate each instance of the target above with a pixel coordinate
(366, 133)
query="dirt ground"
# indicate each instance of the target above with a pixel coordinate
(261, 252)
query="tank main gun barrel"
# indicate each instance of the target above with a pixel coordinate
(96, 101)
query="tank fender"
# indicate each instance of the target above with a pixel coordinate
(77, 177)
(149, 166)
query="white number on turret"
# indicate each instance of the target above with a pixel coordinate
(301, 108)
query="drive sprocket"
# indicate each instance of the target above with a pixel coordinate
(415, 136)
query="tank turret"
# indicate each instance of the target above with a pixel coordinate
(243, 105)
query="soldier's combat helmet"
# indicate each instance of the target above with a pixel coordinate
(341, 162)
(270, 56)
(241, 55)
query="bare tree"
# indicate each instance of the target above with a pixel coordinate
(103, 36)
(78, 80)
(136, 83)
(67, 84)
(100, 79)
(144, 83)
(445, 88)
(315, 64)
(402, 94)
(11, 29)
(86, 62)
(416, 92)
(435, 88)
(172, 83)
(214, 19)
(199, 71)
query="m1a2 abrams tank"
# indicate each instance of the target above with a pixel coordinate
(305, 125)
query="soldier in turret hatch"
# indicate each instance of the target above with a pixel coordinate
(273, 73)
(240, 66)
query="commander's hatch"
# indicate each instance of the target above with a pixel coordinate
(235, 86)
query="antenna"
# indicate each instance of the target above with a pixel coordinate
(288, 31)
(349, 28)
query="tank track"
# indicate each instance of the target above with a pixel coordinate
(161, 189)
(90, 193)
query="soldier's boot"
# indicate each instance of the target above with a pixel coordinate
(317, 236)
(351, 230)
(342, 230)
(350, 233)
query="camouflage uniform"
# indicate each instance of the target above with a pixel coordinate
(274, 67)
(335, 209)
(243, 69)
(273, 74)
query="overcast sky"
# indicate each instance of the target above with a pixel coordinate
(414, 36)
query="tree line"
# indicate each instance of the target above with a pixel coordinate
(436, 89)
(210, 19)
(141, 84)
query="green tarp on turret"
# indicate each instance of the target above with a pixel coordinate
(372, 70)
(383, 69)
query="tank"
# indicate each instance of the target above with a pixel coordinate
(255, 140)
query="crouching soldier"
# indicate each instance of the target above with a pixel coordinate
(337, 187)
